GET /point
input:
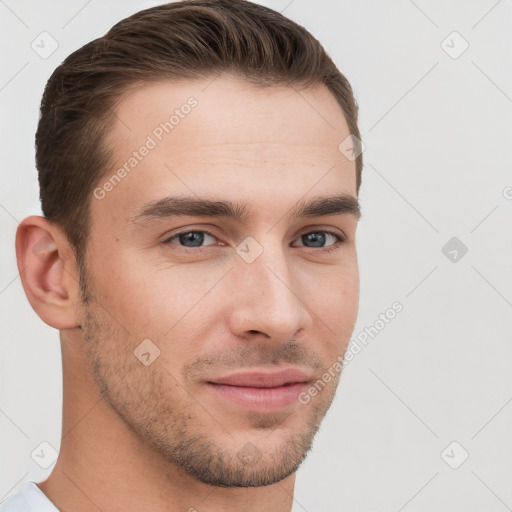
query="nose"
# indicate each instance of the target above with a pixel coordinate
(268, 298)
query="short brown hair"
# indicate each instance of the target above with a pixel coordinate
(191, 39)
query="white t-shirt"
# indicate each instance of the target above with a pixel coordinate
(29, 499)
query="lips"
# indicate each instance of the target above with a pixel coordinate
(260, 391)
(257, 379)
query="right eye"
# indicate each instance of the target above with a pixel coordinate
(193, 237)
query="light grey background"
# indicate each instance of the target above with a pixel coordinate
(438, 134)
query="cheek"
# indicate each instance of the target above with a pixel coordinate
(341, 307)
(334, 300)
(334, 288)
(151, 299)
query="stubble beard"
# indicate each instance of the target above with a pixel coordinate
(142, 396)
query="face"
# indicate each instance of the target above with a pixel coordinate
(222, 278)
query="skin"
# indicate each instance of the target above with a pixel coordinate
(153, 437)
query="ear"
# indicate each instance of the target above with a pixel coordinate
(48, 272)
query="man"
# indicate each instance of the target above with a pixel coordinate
(199, 168)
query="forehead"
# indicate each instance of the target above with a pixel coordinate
(226, 110)
(222, 138)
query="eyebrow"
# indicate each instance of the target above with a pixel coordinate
(175, 206)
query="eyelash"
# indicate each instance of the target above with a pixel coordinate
(340, 240)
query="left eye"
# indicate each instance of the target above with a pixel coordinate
(191, 239)
(319, 237)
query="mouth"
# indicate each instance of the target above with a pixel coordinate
(261, 391)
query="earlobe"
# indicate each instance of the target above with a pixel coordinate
(47, 271)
